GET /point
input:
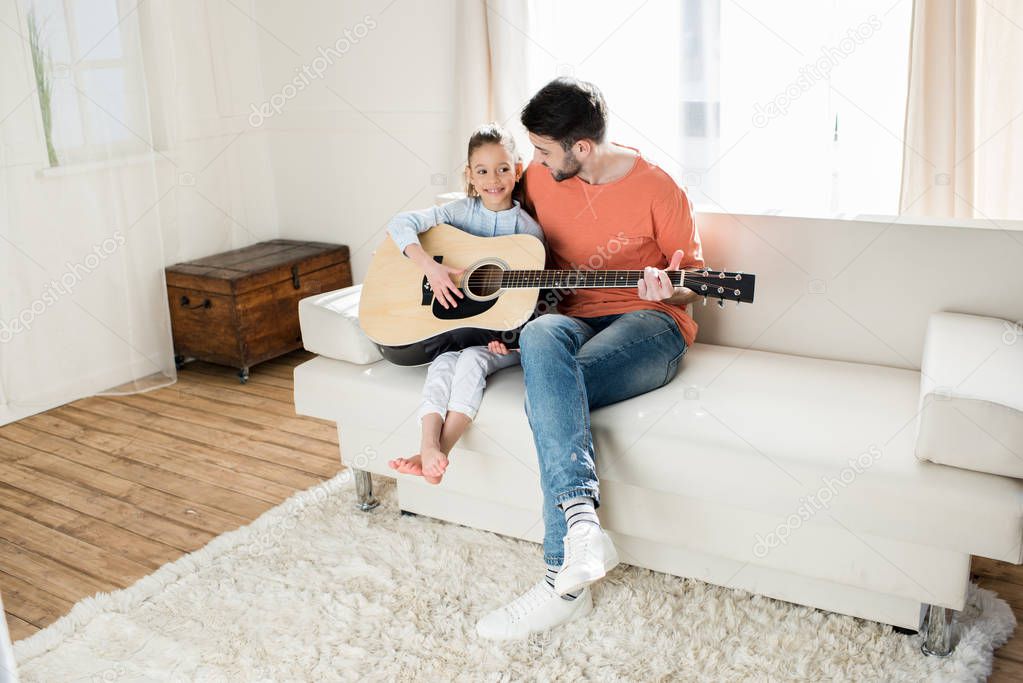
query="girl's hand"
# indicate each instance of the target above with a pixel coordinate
(444, 289)
(498, 347)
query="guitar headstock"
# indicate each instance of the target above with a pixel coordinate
(721, 284)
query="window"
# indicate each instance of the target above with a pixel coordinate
(97, 103)
(754, 106)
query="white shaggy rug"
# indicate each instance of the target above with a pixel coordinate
(316, 591)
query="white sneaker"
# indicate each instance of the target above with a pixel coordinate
(589, 555)
(538, 609)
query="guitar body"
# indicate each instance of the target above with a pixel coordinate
(398, 308)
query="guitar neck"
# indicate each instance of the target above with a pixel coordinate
(718, 284)
(578, 279)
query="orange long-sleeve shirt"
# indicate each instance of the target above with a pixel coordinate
(636, 221)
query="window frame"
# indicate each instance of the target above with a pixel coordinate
(95, 149)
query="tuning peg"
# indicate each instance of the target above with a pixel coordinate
(704, 301)
(721, 303)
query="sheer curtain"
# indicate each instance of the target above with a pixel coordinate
(632, 53)
(123, 135)
(964, 119)
(491, 80)
(757, 106)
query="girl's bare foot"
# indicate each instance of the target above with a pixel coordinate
(434, 462)
(413, 465)
(407, 465)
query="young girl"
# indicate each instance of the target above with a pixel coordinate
(456, 378)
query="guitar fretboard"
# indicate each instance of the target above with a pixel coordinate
(580, 279)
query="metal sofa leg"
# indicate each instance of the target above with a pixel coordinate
(937, 631)
(364, 491)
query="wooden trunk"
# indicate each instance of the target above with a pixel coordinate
(240, 307)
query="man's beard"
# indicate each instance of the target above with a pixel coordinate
(572, 168)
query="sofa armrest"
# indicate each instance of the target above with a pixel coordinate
(330, 327)
(971, 394)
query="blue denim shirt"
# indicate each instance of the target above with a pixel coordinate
(467, 214)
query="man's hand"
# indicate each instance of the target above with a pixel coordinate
(655, 285)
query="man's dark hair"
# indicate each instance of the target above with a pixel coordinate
(567, 110)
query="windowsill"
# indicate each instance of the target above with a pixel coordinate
(970, 223)
(93, 166)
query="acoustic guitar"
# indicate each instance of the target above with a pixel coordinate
(501, 282)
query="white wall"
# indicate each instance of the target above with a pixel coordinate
(373, 135)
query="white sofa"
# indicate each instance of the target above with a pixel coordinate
(787, 476)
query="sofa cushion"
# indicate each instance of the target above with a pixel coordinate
(330, 327)
(971, 396)
(783, 435)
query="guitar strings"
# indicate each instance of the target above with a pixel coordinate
(497, 273)
(569, 279)
(511, 275)
(593, 283)
(507, 278)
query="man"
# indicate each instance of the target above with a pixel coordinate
(602, 207)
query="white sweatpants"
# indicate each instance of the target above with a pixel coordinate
(456, 379)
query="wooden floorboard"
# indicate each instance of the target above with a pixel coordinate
(98, 532)
(186, 464)
(89, 462)
(31, 603)
(225, 437)
(91, 503)
(100, 492)
(172, 452)
(20, 628)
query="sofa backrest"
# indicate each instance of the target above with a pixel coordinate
(858, 290)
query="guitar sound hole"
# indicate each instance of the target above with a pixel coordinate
(484, 281)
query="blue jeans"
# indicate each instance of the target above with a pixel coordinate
(571, 366)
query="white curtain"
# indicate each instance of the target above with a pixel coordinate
(491, 80)
(149, 106)
(964, 114)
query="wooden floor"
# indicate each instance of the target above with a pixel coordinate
(100, 492)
